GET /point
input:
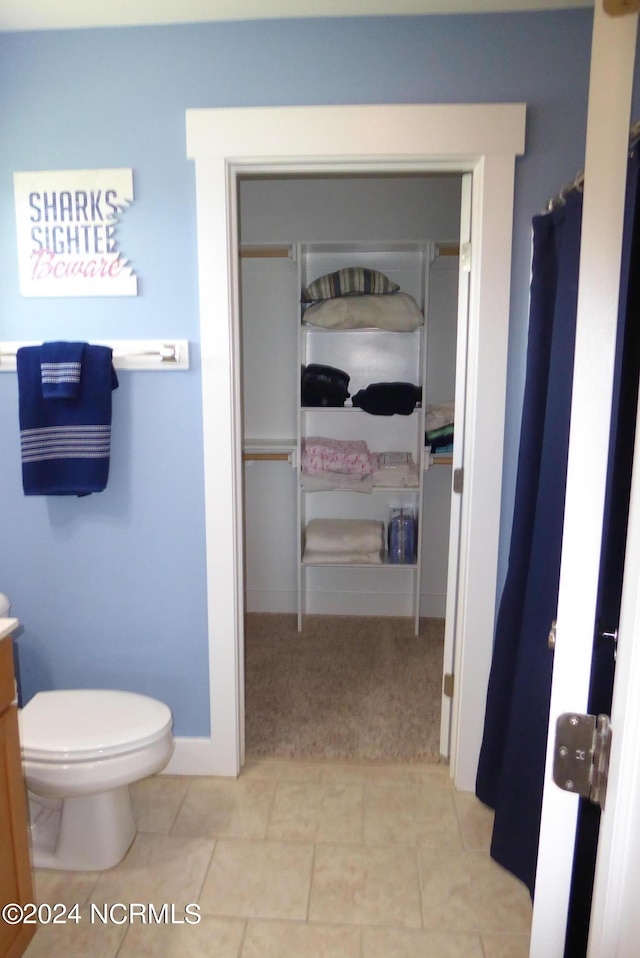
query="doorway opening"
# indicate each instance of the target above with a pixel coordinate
(356, 682)
(482, 139)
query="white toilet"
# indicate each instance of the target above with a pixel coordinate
(81, 749)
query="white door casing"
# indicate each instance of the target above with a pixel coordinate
(454, 557)
(612, 63)
(225, 143)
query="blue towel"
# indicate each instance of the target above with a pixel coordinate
(60, 368)
(65, 442)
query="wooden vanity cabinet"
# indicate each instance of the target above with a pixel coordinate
(16, 882)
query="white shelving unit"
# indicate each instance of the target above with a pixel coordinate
(367, 356)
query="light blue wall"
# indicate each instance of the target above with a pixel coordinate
(111, 588)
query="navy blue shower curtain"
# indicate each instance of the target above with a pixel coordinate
(512, 759)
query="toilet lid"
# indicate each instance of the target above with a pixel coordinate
(78, 724)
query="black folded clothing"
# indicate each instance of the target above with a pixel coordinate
(324, 386)
(388, 399)
(440, 442)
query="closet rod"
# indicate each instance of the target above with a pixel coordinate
(266, 252)
(286, 252)
(266, 456)
(135, 354)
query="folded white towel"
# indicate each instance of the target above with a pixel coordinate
(389, 479)
(327, 481)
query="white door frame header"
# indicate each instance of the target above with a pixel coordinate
(483, 139)
(446, 133)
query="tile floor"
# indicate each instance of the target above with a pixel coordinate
(299, 860)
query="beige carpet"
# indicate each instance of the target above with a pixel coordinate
(346, 687)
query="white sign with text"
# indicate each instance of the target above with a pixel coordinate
(66, 228)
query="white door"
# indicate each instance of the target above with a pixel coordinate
(464, 275)
(615, 918)
(612, 63)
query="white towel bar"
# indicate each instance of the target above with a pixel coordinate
(156, 355)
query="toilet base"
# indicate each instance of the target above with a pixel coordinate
(85, 833)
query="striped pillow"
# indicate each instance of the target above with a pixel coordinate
(354, 281)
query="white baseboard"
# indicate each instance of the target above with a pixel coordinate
(347, 603)
(374, 604)
(359, 603)
(271, 600)
(193, 756)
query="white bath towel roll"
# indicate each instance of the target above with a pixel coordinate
(344, 536)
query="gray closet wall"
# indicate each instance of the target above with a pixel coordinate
(283, 211)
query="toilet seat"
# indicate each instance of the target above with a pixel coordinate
(83, 725)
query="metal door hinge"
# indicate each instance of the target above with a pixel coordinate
(458, 479)
(447, 685)
(465, 257)
(581, 755)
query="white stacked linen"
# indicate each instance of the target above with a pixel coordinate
(348, 465)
